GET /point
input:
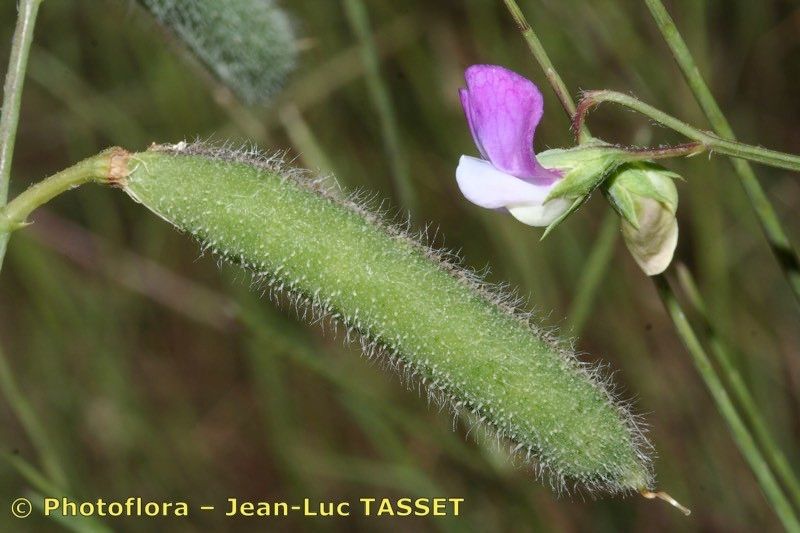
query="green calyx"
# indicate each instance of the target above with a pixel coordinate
(641, 180)
(583, 168)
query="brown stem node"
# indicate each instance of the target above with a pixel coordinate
(118, 169)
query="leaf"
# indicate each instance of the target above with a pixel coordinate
(249, 45)
(622, 202)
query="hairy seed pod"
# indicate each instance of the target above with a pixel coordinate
(249, 45)
(468, 343)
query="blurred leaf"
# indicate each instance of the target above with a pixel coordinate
(249, 45)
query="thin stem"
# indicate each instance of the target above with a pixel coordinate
(739, 389)
(711, 141)
(739, 431)
(543, 59)
(786, 255)
(104, 167)
(9, 119)
(12, 97)
(664, 152)
(12, 91)
(594, 98)
(379, 94)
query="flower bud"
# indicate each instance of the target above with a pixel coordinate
(645, 197)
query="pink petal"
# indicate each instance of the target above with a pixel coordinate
(464, 95)
(503, 110)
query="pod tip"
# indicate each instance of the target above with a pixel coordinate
(661, 495)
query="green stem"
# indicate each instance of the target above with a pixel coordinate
(9, 120)
(738, 387)
(739, 431)
(12, 91)
(12, 97)
(711, 141)
(379, 94)
(100, 168)
(770, 223)
(538, 51)
(636, 153)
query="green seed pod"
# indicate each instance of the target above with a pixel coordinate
(465, 341)
(248, 44)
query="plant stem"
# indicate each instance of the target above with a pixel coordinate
(12, 97)
(711, 141)
(379, 94)
(12, 90)
(538, 51)
(739, 431)
(738, 387)
(9, 120)
(782, 248)
(636, 153)
(99, 168)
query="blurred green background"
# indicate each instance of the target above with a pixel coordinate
(151, 372)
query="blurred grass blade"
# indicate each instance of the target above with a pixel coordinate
(80, 524)
(12, 100)
(316, 86)
(304, 140)
(30, 422)
(722, 355)
(379, 94)
(12, 90)
(770, 223)
(741, 435)
(249, 45)
(592, 274)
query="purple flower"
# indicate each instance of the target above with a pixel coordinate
(503, 110)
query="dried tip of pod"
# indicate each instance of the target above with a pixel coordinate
(661, 495)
